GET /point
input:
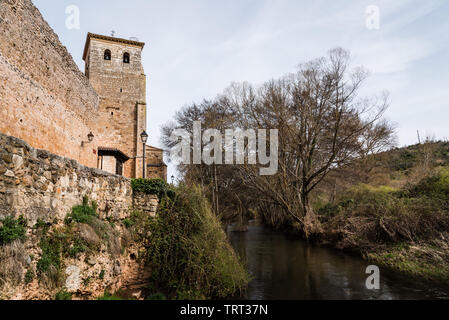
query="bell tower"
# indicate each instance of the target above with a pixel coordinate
(114, 68)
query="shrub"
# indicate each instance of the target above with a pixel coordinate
(108, 296)
(156, 187)
(189, 251)
(29, 276)
(368, 215)
(12, 258)
(139, 225)
(128, 223)
(63, 295)
(78, 246)
(51, 247)
(156, 296)
(12, 230)
(83, 213)
(435, 186)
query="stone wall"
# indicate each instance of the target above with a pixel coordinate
(43, 187)
(40, 185)
(156, 168)
(44, 98)
(145, 203)
(48, 102)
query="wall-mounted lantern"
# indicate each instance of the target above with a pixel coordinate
(90, 138)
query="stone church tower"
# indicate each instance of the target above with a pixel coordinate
(114, 68)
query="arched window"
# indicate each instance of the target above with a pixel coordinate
(107, 54)
(126, 57)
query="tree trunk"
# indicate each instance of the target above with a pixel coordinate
(312, 225)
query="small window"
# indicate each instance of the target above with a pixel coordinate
(126, 57)
(107, 55)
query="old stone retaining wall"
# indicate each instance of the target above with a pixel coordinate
(41, 186)
(44, 98)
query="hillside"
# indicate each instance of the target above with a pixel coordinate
(393, 208)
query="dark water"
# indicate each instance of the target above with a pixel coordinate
(286, 268)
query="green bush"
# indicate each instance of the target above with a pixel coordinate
(29, 276)
(156, 296)
(12, 230)
(108, 296)
(51, 246)
(156, 187)
(373, 215)
(189, 251)
(78, 246)
(63, 295)
(128, 223)
(435, 186)
(83, 213)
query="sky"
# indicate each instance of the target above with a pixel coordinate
(196, 48)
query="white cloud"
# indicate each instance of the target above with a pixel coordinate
(196, 48)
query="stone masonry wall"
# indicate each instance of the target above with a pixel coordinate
(44, 98)
(41, 186)
(145, 203)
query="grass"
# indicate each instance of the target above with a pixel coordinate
(405, 229)
(84, 213)
(12, 260)
(189, 254)
(419, 260)
(109, 296)
(12, 230)
(29, 276)
(63, 295)
(156, 296)
(64, 242)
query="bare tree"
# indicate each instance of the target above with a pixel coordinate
(322, 125)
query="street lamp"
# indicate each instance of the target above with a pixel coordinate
(144, 137)
(90, 138)
(172, 179)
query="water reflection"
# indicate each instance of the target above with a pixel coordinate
(285, 268)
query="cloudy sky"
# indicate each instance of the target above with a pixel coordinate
(196, 48)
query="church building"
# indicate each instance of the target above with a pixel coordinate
(114, 69)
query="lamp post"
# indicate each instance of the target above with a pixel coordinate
(172, 179)
(90, 138)
(144, 137)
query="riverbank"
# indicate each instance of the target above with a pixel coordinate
(284, 266)
(188, 253)
(404, 229)
(424, 260)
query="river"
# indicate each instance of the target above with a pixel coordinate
(287, 268)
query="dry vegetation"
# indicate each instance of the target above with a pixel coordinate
(340, 179)
(323, 124)
(398, 215)
(189, 254)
